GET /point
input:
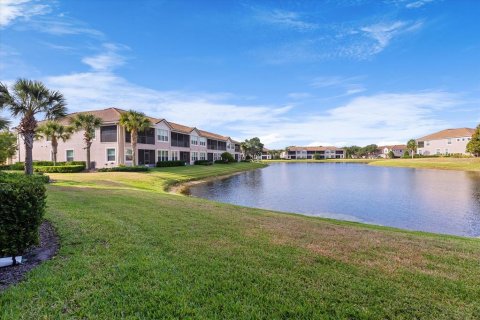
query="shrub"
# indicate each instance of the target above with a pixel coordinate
(220, 162)
(17, 166)
(173, 163)
(203, 162)
(125, 169)
(391, 155)
(227, 157)
(316, 156)
(406, 154)
(59, 169)
(22, 204)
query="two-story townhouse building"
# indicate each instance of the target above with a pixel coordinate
(448, 141)
(163, 141)
(328, 152)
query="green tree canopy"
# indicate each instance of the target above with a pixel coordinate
(252, 147)
(55, 131)
(473, 146)
(8, 145)
(134, 122)
(412, 147)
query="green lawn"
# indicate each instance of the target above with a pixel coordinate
(465, 164)
(130, 250)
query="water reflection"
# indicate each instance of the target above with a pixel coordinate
(416, 199)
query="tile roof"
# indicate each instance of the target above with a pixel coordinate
(449, 133)
(211, 135)
(180, 127)
(394, 147)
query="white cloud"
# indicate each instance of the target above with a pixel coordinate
(62, 25)
(286, 19)
(349, 84)
(383, 33)
(10, 10)
(107, 60)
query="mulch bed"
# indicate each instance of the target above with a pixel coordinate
(46, 249)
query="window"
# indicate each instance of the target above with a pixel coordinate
(428, 143)
(111, 154)
(463, 139)
(162, 155)
(438, 151)
(202, 141)
(108, 134)
(128, 155)
(194, 156)
(162, 135)
(180, 140)
(194, 140)
(174, 155)
(203, 156)
(458, 139)
(147, 136)
(449, 141)
(69, 155)
(446, 151)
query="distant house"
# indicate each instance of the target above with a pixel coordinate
(292, 153)
(398, 151)
(449, 141)
(265, 155)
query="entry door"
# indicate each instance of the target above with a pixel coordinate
(210, 156)
(185, 156)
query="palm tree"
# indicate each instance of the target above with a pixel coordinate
(88, 123)
(4, 123)
(412, 146)
(27, 99)
(134, 122)
(55, 131)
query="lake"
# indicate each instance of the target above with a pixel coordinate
(415, 199)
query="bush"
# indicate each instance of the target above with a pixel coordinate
(406, 154)
(316, 156)
(22, 204)
(227, 157)
(174, 163)
(21, 165)
(17, 166)
(59, 169)
(203, 162)
(220, 162)
(125, 169)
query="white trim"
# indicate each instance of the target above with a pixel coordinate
(158, 154)
(125, 158)
(66, 156)
(106, 154)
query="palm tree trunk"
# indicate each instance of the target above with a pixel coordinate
(28, 138)
(54, 150)
(88, 155)
(134, 147)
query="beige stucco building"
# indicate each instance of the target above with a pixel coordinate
(164, 141)
(449, 141)
(292, 153)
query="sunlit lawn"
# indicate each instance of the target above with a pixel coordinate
(130, 250)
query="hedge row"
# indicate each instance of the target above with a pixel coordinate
(177, 163)
(125, 169)
(21, 165)
(22, 204)
(203, 162)
(59, 169)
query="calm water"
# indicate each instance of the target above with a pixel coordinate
(427, 200)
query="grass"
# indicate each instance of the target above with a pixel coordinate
(446, 163)
(131, 250)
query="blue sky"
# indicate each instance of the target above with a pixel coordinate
(291, 72)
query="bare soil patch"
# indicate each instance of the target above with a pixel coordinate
(45, 250)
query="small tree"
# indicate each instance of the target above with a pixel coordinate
(406, 154)
(412, 147)
(227, 157)
(55, 131)
(134, 122)
(88, 123)
(316, 156)
(473, 146)
(28, 99)
(391, 155)
(8, 145)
